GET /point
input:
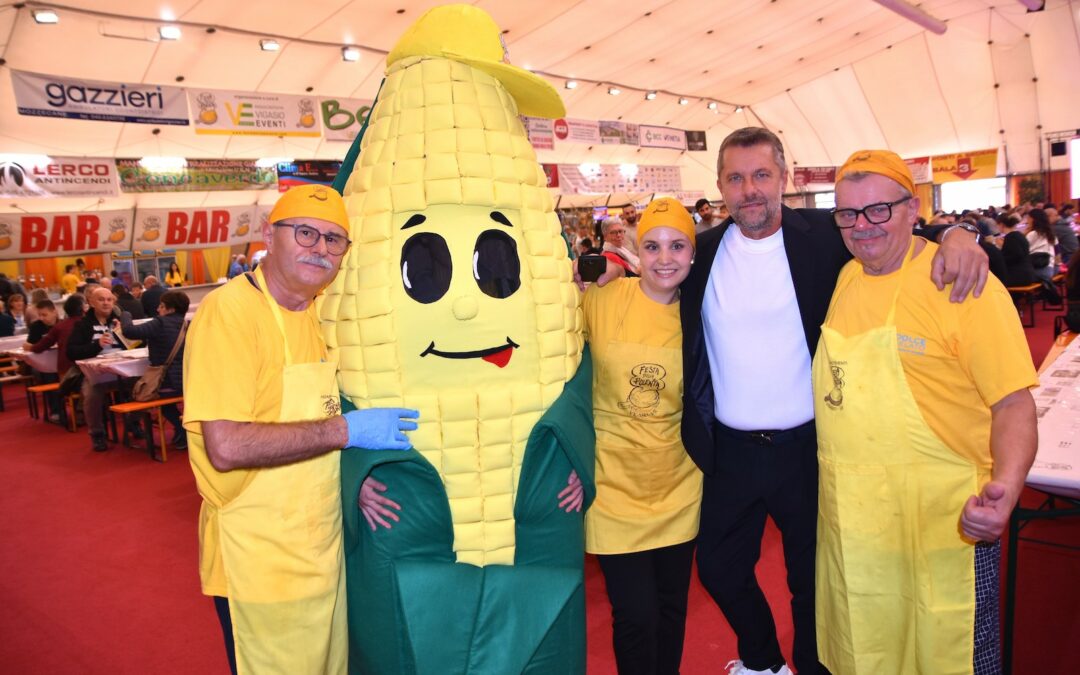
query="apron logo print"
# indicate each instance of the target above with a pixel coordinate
(646, 382)
(331, 406)
(835, 397)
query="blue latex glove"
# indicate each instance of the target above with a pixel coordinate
(380, 428)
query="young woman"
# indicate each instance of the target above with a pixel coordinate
(1041, 239)
(175, 278)
(644, 520)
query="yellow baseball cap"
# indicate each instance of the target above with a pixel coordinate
(311, 201)
(882, 162)
(667, 212)
(468, 34)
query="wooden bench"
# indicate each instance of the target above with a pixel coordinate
(31, 398)
(145, 408)
(1025, 296)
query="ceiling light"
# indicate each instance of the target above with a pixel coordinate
(711, 105)
(738, 108)
(614, 91)
(350, 54)
(269, 45)
(683, 101)
(571, 84)
(46, 16)
(169, 32)
(650, 95)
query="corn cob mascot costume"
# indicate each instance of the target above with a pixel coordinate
(457, 299)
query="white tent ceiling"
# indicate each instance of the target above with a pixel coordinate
(830, 76)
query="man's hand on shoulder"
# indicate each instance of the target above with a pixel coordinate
(962, 262)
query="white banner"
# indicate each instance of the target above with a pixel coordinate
(577, 131)
(583, 179)
(195, 228)
(342, 118)
(541, 132)
(51, 96)
(661, 137)
(238, 113)
(42, 176)
(920, 169)
(46, 235)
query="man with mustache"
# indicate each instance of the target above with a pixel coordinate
(751, 311)
(924, 444)
(264, 426)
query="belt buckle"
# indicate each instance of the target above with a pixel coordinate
(762, 437)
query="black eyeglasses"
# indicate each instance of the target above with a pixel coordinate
(308, 236)
(875, 214)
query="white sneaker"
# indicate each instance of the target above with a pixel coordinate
(736, 667)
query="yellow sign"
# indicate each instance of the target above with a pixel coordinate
(965, 166)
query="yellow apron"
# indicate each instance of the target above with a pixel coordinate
(646, 497)
(281, 543)
(895, 580)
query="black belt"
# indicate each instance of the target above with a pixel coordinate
(770, 436)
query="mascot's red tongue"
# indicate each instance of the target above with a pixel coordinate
(501, 357)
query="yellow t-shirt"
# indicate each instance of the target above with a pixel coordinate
(959, 358)
(233, 360)
(70, 283)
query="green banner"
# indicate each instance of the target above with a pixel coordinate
(198, 176)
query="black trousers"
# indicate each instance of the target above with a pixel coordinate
(221, 605)
(648, 592)
(756, 478)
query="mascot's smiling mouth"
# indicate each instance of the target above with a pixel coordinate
(500, 356)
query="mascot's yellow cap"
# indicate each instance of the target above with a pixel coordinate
(882, 162)
(311, 201)
(467, 34)
(667, 212)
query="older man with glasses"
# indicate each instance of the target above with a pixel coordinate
(926, 430)
(264, 423)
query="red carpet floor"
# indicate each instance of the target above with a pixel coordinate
(98, 568)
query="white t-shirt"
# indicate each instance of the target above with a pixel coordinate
(754, 336)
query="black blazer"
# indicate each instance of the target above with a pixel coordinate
(815, 253)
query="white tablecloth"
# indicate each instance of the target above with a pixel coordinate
(45, 362)
(12, 342)
(1057, 403)
(109, 367)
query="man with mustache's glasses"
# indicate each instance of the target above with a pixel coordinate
(752, 308)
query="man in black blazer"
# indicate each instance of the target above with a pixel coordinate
(751, 310)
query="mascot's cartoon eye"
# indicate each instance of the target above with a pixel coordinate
(425, 267)
(496, 266)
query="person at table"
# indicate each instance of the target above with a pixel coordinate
(926, 431)
(92, 336)
(70, 281)
(59, 335)
(644, 520)
(74, 308)
(151, 295)
(160, 334)
(7, 322)
(16, 309)
(264, 448)
(46, 319)
(128, 302)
